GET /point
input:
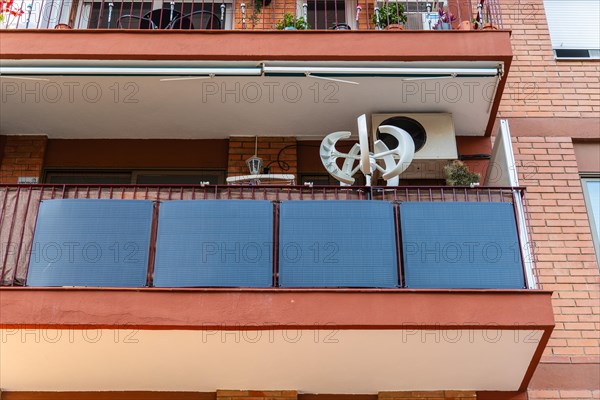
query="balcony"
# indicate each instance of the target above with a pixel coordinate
(263, 237)
(201, 278)
(256, 15)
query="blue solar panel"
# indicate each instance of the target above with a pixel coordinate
(214, 243)
(337, 244)
(101, 243)
(460, 245)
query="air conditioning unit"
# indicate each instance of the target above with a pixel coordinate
(434, 137)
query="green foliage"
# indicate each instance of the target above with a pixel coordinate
(390, 14)
(458, 174)
(289, 20)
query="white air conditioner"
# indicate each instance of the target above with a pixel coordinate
(434, 137)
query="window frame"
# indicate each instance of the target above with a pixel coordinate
(591, 177)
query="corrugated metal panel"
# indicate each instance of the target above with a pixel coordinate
(574, 24)
(100, 243)
(337, 244)
(224, 243)
(460, 245)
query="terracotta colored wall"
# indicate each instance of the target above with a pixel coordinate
(22, 156)
(565, 258)
(435, 395)
(538, 85)
(242, 148)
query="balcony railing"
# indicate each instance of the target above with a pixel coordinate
(31, 237)
(255, 14)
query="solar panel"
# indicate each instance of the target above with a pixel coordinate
(224, 243)
(100, 243)
(460, 245)
(337, 244)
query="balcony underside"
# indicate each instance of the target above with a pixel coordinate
(324, 341)
(117, 105)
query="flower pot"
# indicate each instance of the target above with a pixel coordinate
(394, 27)
(465, 26)
(289, 28)
(489, 27)
(443, 26)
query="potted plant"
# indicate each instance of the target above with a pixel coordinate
(290, 22)
(444, 20)
(390, 16)
(458, 174)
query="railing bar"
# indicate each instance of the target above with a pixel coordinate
(399, 253)
(21, 236)
(49, 16)
(100, 14)
(110, 193)
(122, 192)
(519, 227)
(170, 192)
(502, 196)
(181, 193)
(89, 19)
(489, 192)
(4, 201)
(87, 193)
(477, 192)
(275, 244)
(76, 194)
(194, 193)
(146, 193)
(19, 17)
(10, 232)
(466, 194)
(32, 244)
(430, 194)
(152, 248)
(60, 12)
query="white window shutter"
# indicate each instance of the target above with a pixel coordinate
(574, 24)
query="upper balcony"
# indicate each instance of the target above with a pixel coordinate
(362, 15)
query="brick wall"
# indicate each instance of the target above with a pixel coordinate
(257, 395)
(538, 85)
(269, 148)
(564, 252)
(22, 156)
(433, 395)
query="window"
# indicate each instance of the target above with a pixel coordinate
(326, 14)
(574, 27)
(213, 177)
(105, 14)
(591, 191)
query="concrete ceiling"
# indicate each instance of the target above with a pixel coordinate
(113, 106)
(310, 361)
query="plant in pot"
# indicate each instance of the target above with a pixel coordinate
(458, 174)
(487, 24)
(390, 16)
(256, 10)
(484, 18)
(445, 18)
(290, 22)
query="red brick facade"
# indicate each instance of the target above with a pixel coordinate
(22, 156)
